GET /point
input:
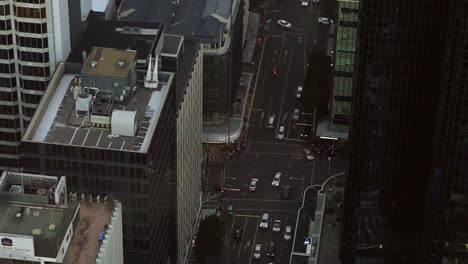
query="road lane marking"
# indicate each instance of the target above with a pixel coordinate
(275, 143)
(293, 139)
(230, 231)
(261, 200)
(256, 79)
(313, 172)
(254, 241)
(289, 125)
(267, 210)
(299, 179)
(261, 118)
(242, 239)
(275, 153)
(241, 215)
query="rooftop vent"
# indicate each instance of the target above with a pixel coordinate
(136, 30)
(121, 63)
(36, 232)
(52, 227)
(94, 64)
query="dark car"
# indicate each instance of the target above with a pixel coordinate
(285, 192)
(237, 232)
(274, 71)
(270, 251)
(305, 132)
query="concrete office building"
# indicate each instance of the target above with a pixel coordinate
(220, 26)
(42, 223)
(340, 115)
(34, 37)
(154, 168)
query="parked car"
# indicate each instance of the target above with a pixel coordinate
(253, 185)
(271, 121)
(276, 179)
(305, 3)
(299, 91)
(277, 226)
(257, 251)
(238, 232)
(264, 221)
(325, 20)
(308, 154)
(284, 23)
(305, 132)
(285, 192)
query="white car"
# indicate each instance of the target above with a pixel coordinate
(325, 20)
(253, 185)
(308, 154)
(305, 3)
(277, 226)
(299, 91)
(281, 133)
(276, 179)
(296, 114)
(284, 23)
(264, 221)
(287, 233)
(257, 251)
(316, 1)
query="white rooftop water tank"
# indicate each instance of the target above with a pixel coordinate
(124, 123)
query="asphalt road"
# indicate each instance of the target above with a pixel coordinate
(286, 49)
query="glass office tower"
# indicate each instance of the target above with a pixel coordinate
(446, 218)
(396, 84)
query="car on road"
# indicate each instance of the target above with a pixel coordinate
(305, 132)
(284, 23)
(316, 1)
(274, 71)
(305, 3)
(271, 121)
(308, 154)
(285, 192)
(253, 185)
(287, 233)
(299, 91)
(296, 114)
(325, 20)
(281, 133)
(237, 232)
(270, 250)
(276, 179)
(277, 226)
(264, 221)
(257, 251)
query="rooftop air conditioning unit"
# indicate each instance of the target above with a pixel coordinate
(16, 189)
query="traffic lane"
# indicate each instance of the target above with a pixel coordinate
(240, 250)
(266, 235)
(321, 171)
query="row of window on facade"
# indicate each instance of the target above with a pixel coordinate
(24, 12)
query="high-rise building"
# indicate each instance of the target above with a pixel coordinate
(220, 26)
(43, 223)
(446, 216)
(340, 112)
(139, 138)
(397, 82)
(34, 37)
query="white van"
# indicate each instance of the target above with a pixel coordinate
(281, 133)
(271, 121)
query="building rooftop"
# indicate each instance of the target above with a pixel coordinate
(56, 121)
(204, 19)
(84, 246)
(35, 215)
(139, 36)
(107, 61)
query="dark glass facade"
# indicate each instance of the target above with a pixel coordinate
(446, 218)
(396, 85)
(143, 182)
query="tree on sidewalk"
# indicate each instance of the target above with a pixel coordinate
(209, 241)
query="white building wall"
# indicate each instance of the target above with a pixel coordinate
(58, 30)
(111, 251)
(189, 160)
